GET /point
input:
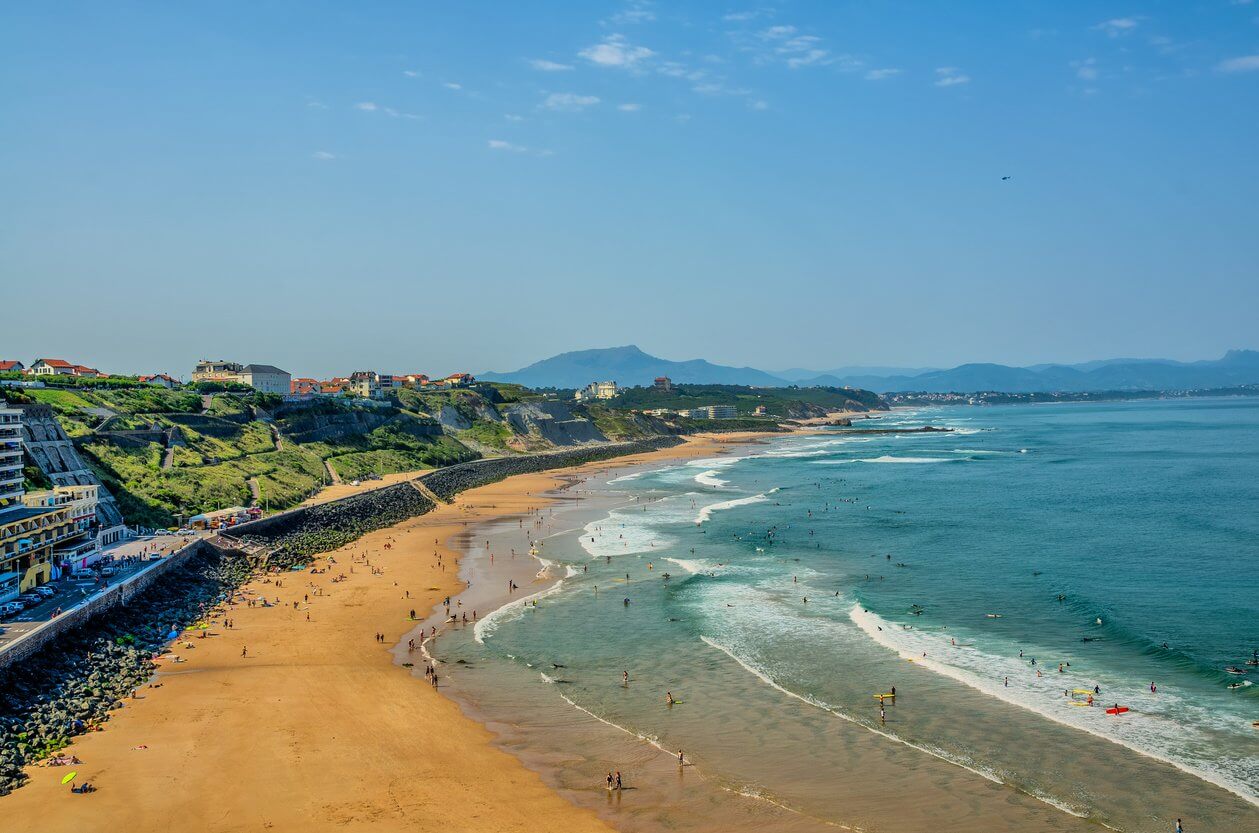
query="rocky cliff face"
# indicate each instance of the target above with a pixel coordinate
(553, 422)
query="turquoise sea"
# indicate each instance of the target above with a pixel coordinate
(775, 590)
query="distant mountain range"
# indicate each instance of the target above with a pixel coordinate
(631, 366)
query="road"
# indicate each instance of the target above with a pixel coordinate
(72, 591)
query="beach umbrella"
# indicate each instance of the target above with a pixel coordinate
(69, 777)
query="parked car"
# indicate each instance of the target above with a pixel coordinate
(109, 571)
(11, 608)
(46, 591)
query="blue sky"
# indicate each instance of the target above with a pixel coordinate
(443, 186)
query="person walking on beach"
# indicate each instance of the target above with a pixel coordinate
(244, 651)
(624, 678)
(618, 779)
(1179, 829)
(681, 758)
(609, 780)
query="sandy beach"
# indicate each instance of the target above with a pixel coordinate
(316, 727)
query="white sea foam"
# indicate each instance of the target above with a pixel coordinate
(887, 458)
(694, 566)
(627, 477)
(707, 512)
(712, 467)
(709, 478)
(638, 527)
(1149, 731)
(514, 609)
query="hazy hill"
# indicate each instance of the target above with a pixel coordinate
(627, 366)
(1237, 367)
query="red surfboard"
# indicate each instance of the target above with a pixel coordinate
(1119, 710)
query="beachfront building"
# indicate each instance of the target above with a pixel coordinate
(159, 379)
(33, 526)
(760, 410)
(597, 390)
(11, 366)
(11, 478)
(663, 383)
(208, 370)
(79, 545)
(713, 412)
(365, 384)
(305, 387)
(267, 378)
(50, 367)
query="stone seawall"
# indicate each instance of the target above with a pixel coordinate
(296, 535)
(450, 481)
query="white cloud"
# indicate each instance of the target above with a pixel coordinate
(451, 85)
(758, 104)
(1085, 70)
(513, 117)
(315, 104)
(629, 107)
(410, 73)
(616, 51)
(323, 155)
(1246, 63)
(798, 50)
(367, 106)
(1118, 26)
(549, 66)
(882, 74)
(740, 17)
(950, 77)
(636, 13)
(569, 102)
(499, 144)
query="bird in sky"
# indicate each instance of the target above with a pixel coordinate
(1004, 178)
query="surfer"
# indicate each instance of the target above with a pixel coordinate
(624, 678)
(668, 698)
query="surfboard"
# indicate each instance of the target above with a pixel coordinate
(1080, 703)
(1120, 710)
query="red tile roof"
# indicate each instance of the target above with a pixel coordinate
(8, 364)
(54, 362)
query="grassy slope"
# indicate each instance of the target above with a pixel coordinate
(214, 466)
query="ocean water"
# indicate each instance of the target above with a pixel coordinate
(993, 574)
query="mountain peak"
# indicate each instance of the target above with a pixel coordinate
(628, 365)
